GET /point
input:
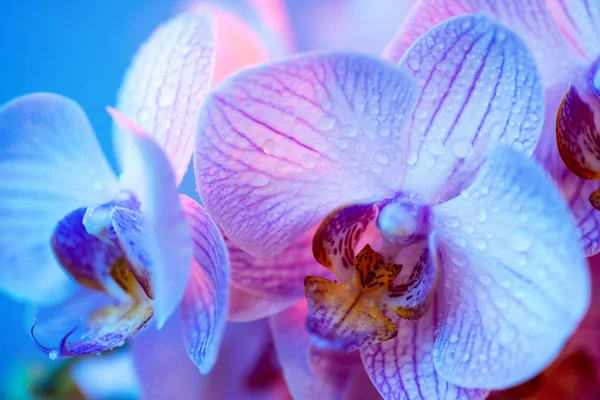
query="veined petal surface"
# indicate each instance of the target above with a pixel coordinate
(529, 19)
(308, 371)
(402, 368)
(167, 232)
(478, 85)
(166, 85)
(580, 21)
(50, 164)
(281, 145)
(516, 283)
(206, 297)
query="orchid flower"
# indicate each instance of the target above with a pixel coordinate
(564, 37)
(412, 186)
(137, 250)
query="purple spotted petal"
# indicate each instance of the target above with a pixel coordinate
(205, 301)
(402, 368)
(50, 165)
(530, 19)
(264, 286)
(580, 21)
(310, 372)
(281, 145)
(478, 85)
(516, 282)
(166, 85)
(166, 230)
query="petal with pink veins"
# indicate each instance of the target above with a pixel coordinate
(206, 298)
(477, 85)
(281, 145)
(402, 368)
(515, 280)
(580, 21)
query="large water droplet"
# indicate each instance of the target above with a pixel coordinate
(269, 146)
(381, 158)
(307, 161)
(259, 180)
(349, 130)
(507, 334)
(326, 123)
(462, 148)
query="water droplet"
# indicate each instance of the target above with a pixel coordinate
(453, 338)
(481, 215)
(412, 159)
(436, 148)
(53, 354)
(452, 222)
(269, 147)
(259, 180)
(167, 95)
(349, 130)
(462, 148)
(326, 123)
(307, 161)
(381, 158)
(507, 334)
(521, 240)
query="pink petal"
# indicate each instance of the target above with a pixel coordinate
(312, 372)
(280, 146)
(580, 21)
(516, 283)
(166, 85)
(205, 301)
(50, 164)
(478, 85)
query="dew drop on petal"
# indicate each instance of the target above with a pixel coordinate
(269, 147)
(307, 161)
(462, 148)
(326, 123)
(521, 240)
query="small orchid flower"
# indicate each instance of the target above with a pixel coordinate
(137, 250)
(564, 37)
(448, 253)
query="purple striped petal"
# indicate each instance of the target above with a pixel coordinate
(279, 146)
(402, 368)
(580, 21)
(264, 286)
(166, 230)
(530, 19)
(478, 85)
(516, 283)
(205, 301)
(166, 85)
(311, 372)
(50, 165)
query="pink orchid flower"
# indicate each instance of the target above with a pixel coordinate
(448, 252)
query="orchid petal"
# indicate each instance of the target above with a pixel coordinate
(166, 371)
(50, 165)
(516, 281)
(478, 85)
(97, 322)
(281, 145)
(264, 286)
(530, 19)
(166, 230)
(206, 298)
(245, 306)
(307, 370)
(166, 85)
(580, 21)
(402, 368)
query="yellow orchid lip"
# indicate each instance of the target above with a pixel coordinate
(352, 313)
